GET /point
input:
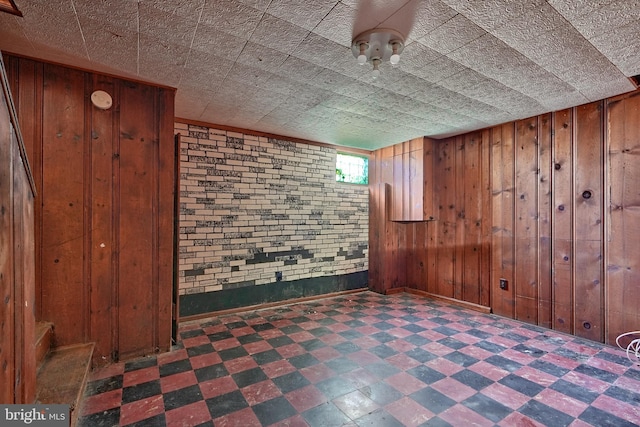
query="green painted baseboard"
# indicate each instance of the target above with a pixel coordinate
(197, 304)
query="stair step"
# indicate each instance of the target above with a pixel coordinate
(63, 376)
(44, 341)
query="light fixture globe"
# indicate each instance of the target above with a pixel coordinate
(381, 44)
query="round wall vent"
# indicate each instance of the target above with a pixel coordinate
(101, 99)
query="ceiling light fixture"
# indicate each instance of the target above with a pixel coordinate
(377, 46)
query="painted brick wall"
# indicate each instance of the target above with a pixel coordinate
(253, 206)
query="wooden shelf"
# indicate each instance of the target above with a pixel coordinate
(412, 187)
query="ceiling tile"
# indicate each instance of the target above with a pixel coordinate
(302, 13)
(452, 34)
(278, 34)
(261, 57)
(540, 19)
(205, 70)
(286, 66)
(426, 16)
(111, 46)
(124, 15)
(186, 9)
(342, 23)
(53, 24)
(160, 24)
(598, 17)
(161, 62)
(490, 14)
(621, 46)
(298, 69)
(231, 17)
(210, 40)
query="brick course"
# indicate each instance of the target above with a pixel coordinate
(252, 206)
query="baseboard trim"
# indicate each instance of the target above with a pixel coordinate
(198, 317)
(471, 306)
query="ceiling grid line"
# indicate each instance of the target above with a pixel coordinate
(286, 66)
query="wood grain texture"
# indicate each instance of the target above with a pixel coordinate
(589, 206)
(549, 203)
(545, 198)
(623, 216)
(104, 233)
(17, 258)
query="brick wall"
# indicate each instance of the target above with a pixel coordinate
(254, 206)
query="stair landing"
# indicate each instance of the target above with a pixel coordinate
(62, 376)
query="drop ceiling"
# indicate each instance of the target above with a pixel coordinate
(286, 67)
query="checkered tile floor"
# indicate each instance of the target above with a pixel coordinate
(368, 360)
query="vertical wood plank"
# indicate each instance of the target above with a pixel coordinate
(562, 220)
(485, 200)
(428, 203)
(446, 218)
(544, 221)
(167, 177)
(137, 219)
(502, 165)
(431, 203)
(420, 249)
(589, 199)
(526, 215)
(101, 245)
(473, 194)
(623, 246)
(416, 180)
(17, 275)
(26, 81)
(7, 294)
(62, 198)
(24, 279)
(398, 180)
(459, 220)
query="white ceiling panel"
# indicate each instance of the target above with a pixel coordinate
(302, 13)
(286, 66)
(289, 35)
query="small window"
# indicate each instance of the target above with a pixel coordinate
(352, 168)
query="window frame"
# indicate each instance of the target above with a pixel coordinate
(365, 173)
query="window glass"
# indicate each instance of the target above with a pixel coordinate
(352, 169)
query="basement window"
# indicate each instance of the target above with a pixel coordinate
(352, 169)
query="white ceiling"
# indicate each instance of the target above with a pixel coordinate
(285, 66)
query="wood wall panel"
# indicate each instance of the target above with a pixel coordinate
(104, 128)
(525, 220)
(588, 207)
(28, 104)
(469, 232)
(62, 197)
(545, 198)
(106, 222)
(443, 256)
(623, 217)
(562, 216)
(446, 237)
(554, 209)
(17, 259)
(501, 139)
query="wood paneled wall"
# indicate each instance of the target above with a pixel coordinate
(444, 256)
(104, 214)
(17, 275)
(549, 203)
